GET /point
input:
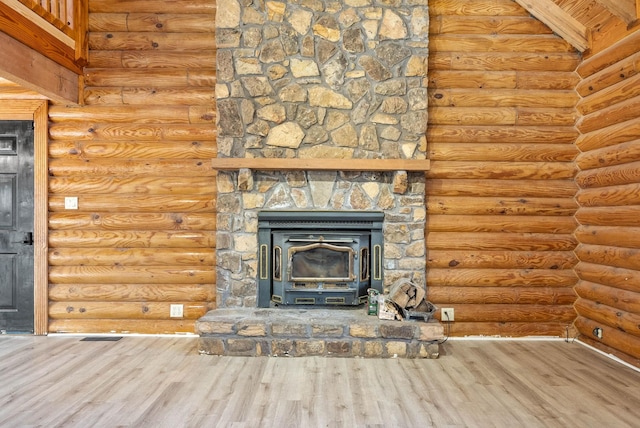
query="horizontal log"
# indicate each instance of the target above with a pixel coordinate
(499, 259)
(137, 149)
(502, 134)
(610, 136)
(556, 80)
(170, 22)
(626, 237)
(137, 77)
(149, 96)
(120, 114)
(152, 219)
(133, 292)
(202, 77)
(613, 317)
(120, 131)
(151, 6)
(612, 115)
(446, 79)
(610, 156)
(508, 329)
(477, 8)
(628, 258)
(505, 188)
(515, 224)
(463, 205)
(500, 241)
(203, 114)
(517, 152)
(106, 96)
(152, 22)
(472, 115)
(122, 167)
(608, 275)
(522, 98)
(62, 256)
(499, 61)
(616, 94)
(443, 79)
(501, 170)
(140, 184)
(143, 204)
(130, 40)
(627, 301)
(131, 239)
(122, 326)
(131, 275)
(613, 74)
(482, 313)
(605, 216)
(486, 25)
(460, 277)
(492, 116)
(109, 21)
(627, 194)
(609, 176)
(449, 295)
(128, 310)
(612, 338)
(516, 43)
(450, 222)
(152, 59)
(614, 53)
(549, 117)
(307, 164)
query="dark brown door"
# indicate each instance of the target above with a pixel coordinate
(16, 227)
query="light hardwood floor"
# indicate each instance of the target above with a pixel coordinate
(163, 382)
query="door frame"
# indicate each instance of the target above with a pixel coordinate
(38, 111)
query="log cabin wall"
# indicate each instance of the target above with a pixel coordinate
(609, 178)
(501, 191)
(137, 156)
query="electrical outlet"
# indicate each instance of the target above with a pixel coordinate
(177, 311)
(446, 314)
(597, 332)
(70, 202)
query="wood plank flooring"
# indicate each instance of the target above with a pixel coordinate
(61, 381)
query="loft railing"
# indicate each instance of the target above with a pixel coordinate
(56, 29)
(58, 13)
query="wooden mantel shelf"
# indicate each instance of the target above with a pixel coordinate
(268, 164)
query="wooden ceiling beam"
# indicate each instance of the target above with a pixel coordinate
(560, 21)
(627, 10)
(32, 70)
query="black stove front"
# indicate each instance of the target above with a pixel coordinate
(318, 257)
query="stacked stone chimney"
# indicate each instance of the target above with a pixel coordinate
(319, 79)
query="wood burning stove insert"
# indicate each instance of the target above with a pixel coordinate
(318, 257)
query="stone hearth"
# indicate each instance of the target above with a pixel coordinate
(332, 332)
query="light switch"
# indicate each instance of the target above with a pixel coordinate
(71, 203)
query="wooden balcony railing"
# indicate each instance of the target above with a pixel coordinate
(56, 29)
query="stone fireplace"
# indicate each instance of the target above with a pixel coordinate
(318, 257)
(320, 80)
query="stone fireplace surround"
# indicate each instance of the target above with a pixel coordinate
(315, 80)
(311, 81)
